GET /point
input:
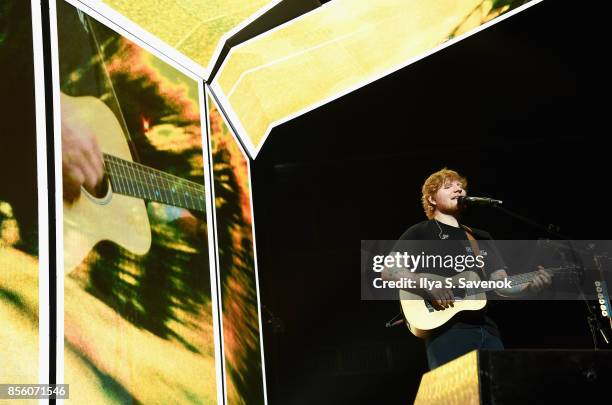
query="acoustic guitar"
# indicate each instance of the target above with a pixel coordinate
(421, 316)
(120, 214)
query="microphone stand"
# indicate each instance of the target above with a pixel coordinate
(396, 320)
(553, 230)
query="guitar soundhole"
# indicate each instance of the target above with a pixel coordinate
(101, 194)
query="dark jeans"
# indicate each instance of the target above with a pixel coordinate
(456, 342)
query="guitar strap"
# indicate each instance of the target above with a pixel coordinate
(473, 242)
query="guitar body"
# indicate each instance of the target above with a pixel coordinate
(422, 318)
(115, 217)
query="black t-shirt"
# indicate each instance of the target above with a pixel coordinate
(457, 242)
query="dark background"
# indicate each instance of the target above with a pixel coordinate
(18, 171)
(519, 109)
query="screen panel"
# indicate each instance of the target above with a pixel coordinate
(237, 264)
(138, 289)
(195, 28)
(20, 251)
(333, 50)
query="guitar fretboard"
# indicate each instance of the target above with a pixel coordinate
(525, 278)
(136, 180)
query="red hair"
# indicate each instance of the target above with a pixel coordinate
(433, 183)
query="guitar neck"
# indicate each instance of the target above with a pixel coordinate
(524, 278)
(136, 180)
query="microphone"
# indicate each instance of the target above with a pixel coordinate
(478, 202)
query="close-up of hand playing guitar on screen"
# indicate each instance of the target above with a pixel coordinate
(82, 164)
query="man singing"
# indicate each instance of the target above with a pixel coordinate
(467, 330)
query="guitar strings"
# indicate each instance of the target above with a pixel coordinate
(146, 185)
(174, 196)
(144, 180)
(157, 175)
(523, 278)
(142, 168)
(170, 195)
(198, 199)
(183, 202)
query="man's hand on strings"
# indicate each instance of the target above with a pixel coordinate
(441, 298)
(540, 281)
(82, 163)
